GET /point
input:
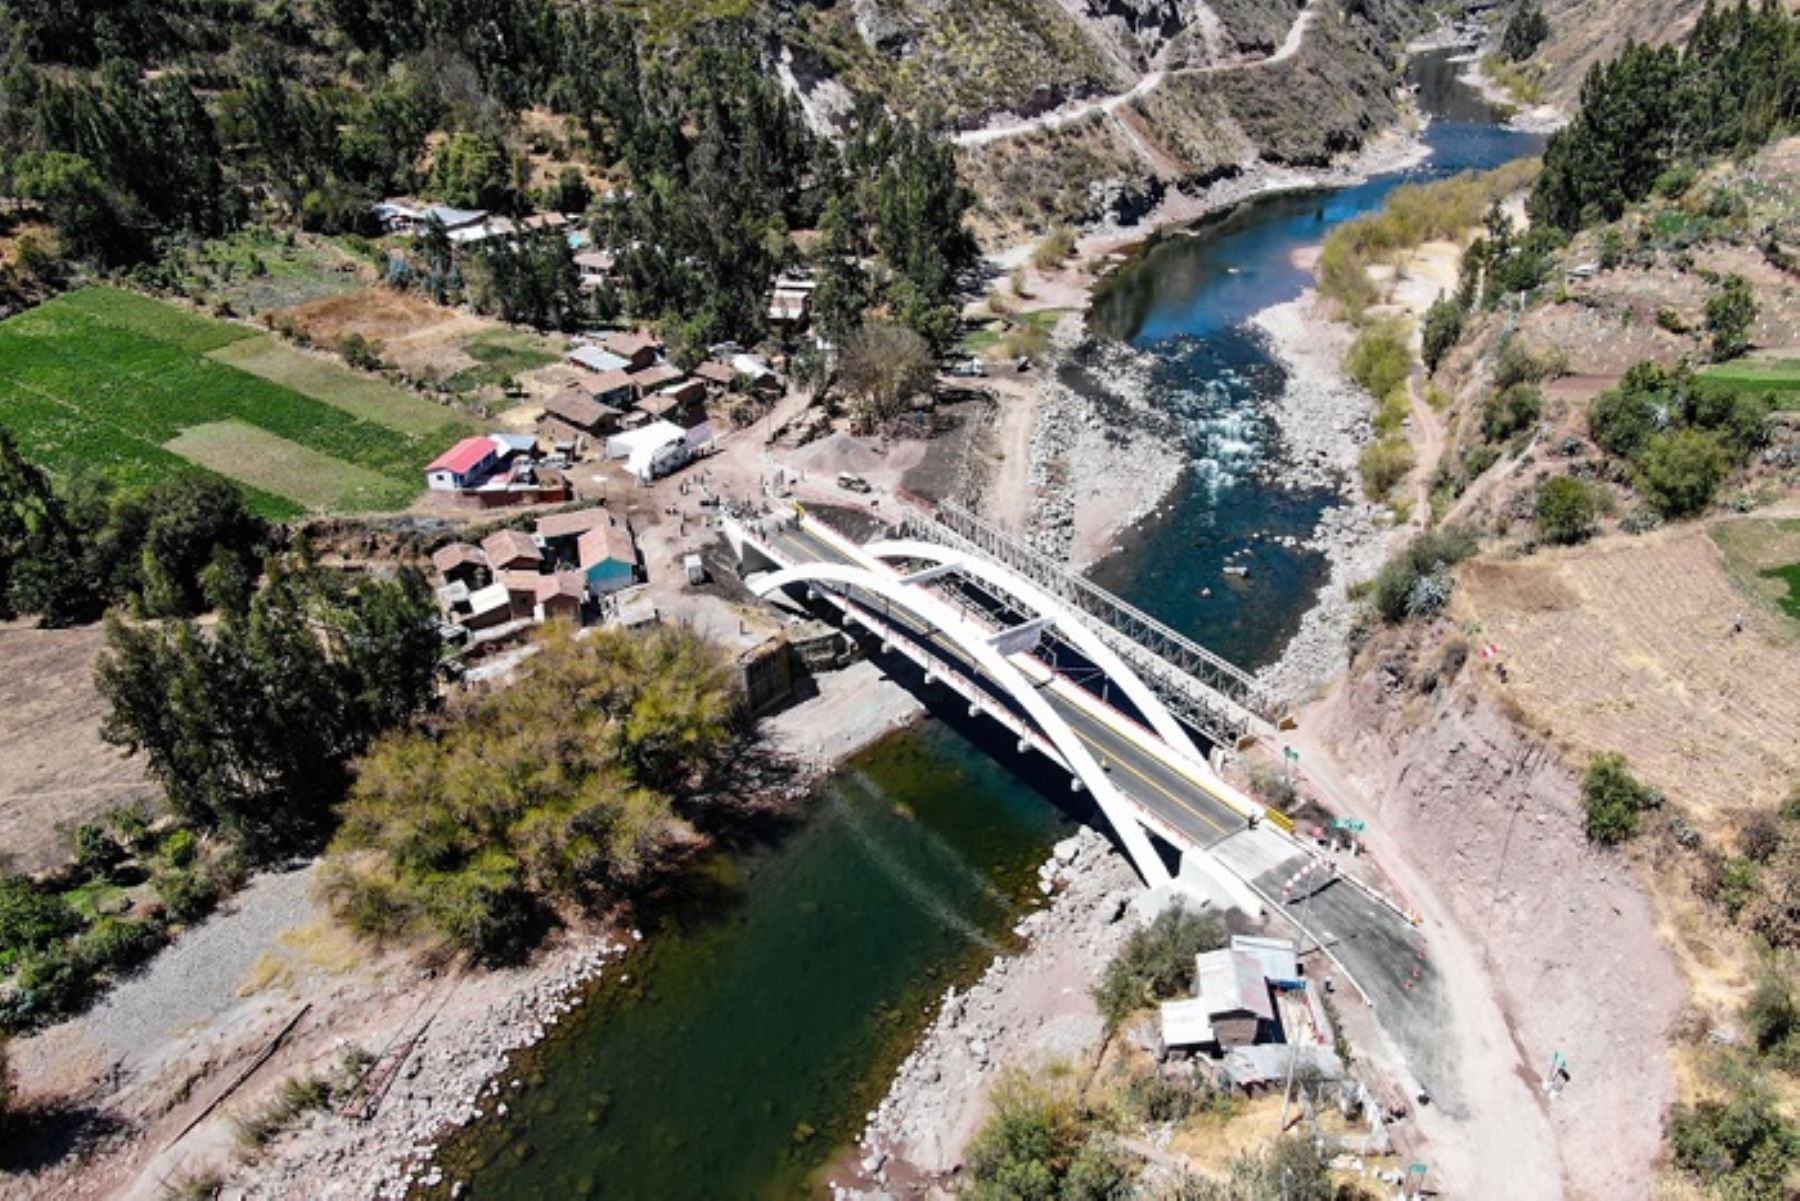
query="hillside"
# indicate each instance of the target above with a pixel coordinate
(1325, 91)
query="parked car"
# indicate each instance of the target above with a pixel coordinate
(852, 483)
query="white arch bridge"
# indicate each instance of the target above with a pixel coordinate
(1067, 683)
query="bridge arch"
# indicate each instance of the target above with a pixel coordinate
(1070, 627)
(973, 642)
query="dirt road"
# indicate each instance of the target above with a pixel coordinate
(1109, 105)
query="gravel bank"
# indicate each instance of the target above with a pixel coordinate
(1030, 1008)
(457, 1071)
(1103, 457)
(1324, 420)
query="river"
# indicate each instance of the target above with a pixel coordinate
(771, 1003)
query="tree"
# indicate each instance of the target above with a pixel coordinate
(843, 286)
(74, 196)
(882, 368)
(249, 728)
(1443, 330)
(474, 169)
(572, 193)
(1565, 510)
(1730, 312)
(1525, 32)
(1512, 411)
(1682, 470)
(574, 784)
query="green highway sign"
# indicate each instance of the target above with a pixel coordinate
(1353, 824)
(1290, 754)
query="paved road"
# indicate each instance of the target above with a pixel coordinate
(1108, 105)
(1146, 777)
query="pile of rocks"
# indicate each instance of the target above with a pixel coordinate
(1028, 1008)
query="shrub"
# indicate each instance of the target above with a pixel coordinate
(359, 352)
(31, 918)
(1151, 1096)
(1741, 1147)
(97, 852)
(1516, 364)
(114, 945)
(1379, 359)
(1772, 1016)
(1401, 587)
(1512, 411)
(1730, 312)
(1565, 510)
(1383, 465)
(1613, 799)
(1054, 250)
(1156, 962)
(1682, 471)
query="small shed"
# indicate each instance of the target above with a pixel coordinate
(637, 350)
(461, 563)
(1280, 964)
(608, 559)
(655, 376)
(1236, 996)
(613, 388)
(695, 567)
(511, 550)
(561, 595)
(597, 359)
(559, 531)
(715, 375)
(1186, 1024)
(574, 413)
(488, 607)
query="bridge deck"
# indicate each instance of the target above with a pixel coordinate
(1174, 793)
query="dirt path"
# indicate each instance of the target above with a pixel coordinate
(1428, 449)
(1008, 499)
(1110, 105)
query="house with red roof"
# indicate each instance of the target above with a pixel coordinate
(464, 465)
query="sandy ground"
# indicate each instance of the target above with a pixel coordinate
(55, 773)
(853, 709)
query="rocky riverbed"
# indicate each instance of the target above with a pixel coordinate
(1324, 419)
(459, 1068)
(1029, 1008)
(1103, 455)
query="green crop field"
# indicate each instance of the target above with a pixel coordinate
(357, 394)
(110, 381)
(1780, 377)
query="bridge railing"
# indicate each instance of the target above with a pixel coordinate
(1158, 652)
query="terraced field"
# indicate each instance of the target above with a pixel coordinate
(121, 384)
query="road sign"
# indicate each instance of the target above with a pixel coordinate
(1353, 824)
(1290, 754)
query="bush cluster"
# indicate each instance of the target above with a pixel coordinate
(1682, 433)
(1416, 582)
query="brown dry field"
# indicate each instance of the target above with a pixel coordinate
(55, 773)
(1626, 645)
(421, 338)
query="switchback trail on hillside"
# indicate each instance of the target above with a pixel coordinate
(1109, 105)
